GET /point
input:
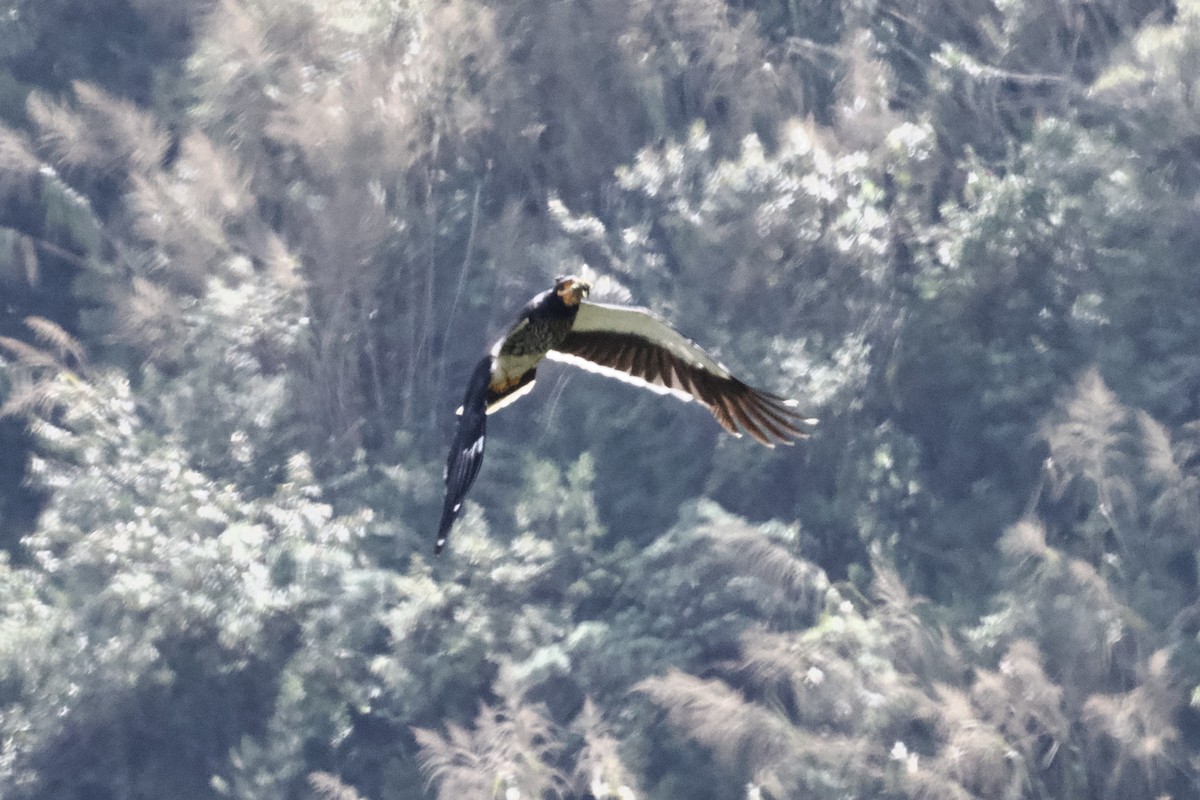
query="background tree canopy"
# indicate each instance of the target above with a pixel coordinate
(250, 250)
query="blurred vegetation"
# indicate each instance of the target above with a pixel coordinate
(250, 250)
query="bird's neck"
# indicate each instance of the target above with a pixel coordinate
(549, 305)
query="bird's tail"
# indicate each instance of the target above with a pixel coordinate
(466, 453)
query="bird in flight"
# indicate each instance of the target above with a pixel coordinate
(623, 342)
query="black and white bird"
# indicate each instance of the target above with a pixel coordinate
(630, 344)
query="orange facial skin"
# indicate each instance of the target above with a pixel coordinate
(572, 290)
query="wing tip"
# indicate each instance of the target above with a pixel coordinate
(771, 420)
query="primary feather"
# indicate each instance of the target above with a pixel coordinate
(634, 345)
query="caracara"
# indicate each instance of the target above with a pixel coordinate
(630, 344)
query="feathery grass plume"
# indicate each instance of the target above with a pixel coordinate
(19, 182)
(18, 188)
(28, 355)
(197, 216)
(721, 80)
(66, 347)
(1175, 510)
(1086, 631)
(149, 318)
(28, 397)
(928, 784)
(1098, 612)
(843, 685)
(833, 700)
(1138, 729)
(57, 220)
(817, 727)
(360, 160)
(1090, 449)
(17, 162)
(34, 389)
(791, 584)
(826, 765)
(1036, 701)
(329, 787)
(102, 134)
(975, 752)
(63, 131)
(1157, 449)
(794, 579)
(916, 645)
(599, 769)
(740, 733)
(1026, 541)
(780, 667)
(512, 747)
(1188, 446)
(1021, 701)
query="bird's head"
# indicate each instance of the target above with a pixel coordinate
(571, 289)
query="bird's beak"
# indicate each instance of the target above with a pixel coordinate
(574, 290)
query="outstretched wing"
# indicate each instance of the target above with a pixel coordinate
(466, 453)
(634, 345)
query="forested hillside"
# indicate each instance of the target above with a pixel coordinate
(251, 249)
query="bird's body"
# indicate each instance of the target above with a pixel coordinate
(630, 344)
(544, 324)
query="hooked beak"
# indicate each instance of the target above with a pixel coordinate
(573, 290)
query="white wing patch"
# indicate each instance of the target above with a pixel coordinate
(511, 398)
(599, 369)
(644, 324)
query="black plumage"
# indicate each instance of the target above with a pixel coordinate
(507, 372)
(466, 453)
(631, 344)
